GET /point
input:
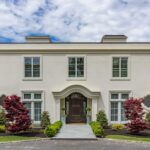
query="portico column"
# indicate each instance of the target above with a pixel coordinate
(94, 108)
(57, 109)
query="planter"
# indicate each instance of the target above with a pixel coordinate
(63, 119)
(88, 119)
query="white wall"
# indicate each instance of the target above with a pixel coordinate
(55, 77)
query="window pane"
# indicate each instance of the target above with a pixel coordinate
(28, 66)
(114, 111)
(114, 96)
(80, 67)
(37, 96)
(123, 118)
(37, 111)
(72, 67)
(125, 96)
(36, 66)
(116, 67)
(28, 106)
(27, 96)
(124, 67)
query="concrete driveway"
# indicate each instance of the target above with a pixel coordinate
(102, 144)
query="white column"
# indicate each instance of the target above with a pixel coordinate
(57, 109)
(94, 108)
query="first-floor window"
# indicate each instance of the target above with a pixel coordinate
(117, 106)
(33, 102)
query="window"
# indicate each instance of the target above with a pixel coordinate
(76, 66)
(33, 102)
(117, 106)
(120, 67)
(32, 67)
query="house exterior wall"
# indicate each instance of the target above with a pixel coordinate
(55, 75)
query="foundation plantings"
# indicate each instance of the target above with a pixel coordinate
(135, 115)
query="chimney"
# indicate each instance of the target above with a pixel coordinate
(114, 39)
(38, 39)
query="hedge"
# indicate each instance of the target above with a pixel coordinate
(97, 129)
(53, 129)
(2, 128)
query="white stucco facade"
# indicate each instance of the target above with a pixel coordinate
(54, 83)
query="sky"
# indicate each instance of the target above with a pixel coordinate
(74, 20)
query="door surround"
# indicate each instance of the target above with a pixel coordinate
(93, 95)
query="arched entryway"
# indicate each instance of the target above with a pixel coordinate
(76, 104)
(80, 92)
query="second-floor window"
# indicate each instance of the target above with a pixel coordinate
(32, 67)
(76, 67)
(120, 67)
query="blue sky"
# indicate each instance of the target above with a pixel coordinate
(74, 20)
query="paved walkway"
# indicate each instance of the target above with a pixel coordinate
(76, 131)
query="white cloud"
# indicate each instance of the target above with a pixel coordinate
(78, 20)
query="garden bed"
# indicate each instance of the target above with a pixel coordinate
(30, 133)
(145, 133)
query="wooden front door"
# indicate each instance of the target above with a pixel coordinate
(76, 105)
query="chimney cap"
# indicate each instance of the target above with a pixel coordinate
(38, 39)
(114, 38)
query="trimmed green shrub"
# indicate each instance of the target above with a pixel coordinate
(45, 119)
(148, 118)
(53, 129)
(118, 126)
(2, 128)
(2, 118)
(102, 119)
(97, 129)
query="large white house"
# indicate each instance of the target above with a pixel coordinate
(69, 78)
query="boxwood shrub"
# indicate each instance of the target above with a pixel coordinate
(118, 126)
(2, 128)
(97, 129)
(53, 129)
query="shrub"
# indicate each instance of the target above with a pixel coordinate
(148, 118)
(53, 129)
(97, 129)
(134, 113)
(118, 127)
(2, 118)
(102, 119)
(17, 115)
(45, 120)
(2, 128)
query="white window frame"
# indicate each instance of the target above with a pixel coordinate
(41, 68)
(85, 67)
(32, 100)
(119, 100)
(129, 68)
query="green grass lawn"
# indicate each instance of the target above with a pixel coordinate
(129, 138)
(15, 138)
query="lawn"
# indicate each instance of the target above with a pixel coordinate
(129, 138)
(15, 138)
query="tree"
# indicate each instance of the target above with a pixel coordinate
(17, 115)
(134, 113)
(45, 120)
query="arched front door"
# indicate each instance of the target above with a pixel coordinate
(76, 105)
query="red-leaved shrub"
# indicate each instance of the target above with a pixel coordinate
(134, 113)
(17, 116)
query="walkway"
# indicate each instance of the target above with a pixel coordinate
(76, 131)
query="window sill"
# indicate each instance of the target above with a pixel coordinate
(118, 122)
(76, 79)
(32, 79)
(120, 79)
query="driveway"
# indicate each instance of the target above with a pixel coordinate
(102, 144)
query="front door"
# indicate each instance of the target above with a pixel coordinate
(76, 106)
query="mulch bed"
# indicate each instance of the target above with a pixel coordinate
(30, 133)
(145, 133)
